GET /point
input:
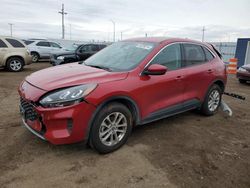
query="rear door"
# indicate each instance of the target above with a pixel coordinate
(43, 48)
(198, 71)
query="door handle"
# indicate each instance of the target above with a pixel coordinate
(178, 78)
(210, 71)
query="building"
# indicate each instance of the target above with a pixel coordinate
(243, 51)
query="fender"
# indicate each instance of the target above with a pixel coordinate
(99, 107)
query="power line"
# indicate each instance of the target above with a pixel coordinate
(62, 12)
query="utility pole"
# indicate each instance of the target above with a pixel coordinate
(121, 35)
(146, 35)
(203, 33)
(62, 12)
(70, 31)
(11, 24)
(113, 30)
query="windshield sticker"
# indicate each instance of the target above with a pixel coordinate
(144, 46)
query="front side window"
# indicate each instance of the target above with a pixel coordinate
(52, 44)
(121, 56)
(43, 44)
(94, 48)
(15, 43)
(85, 49)
(169, 57)
(193, 54)
(2, 44)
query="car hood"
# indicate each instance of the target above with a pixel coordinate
(70, 75)
(57, 54)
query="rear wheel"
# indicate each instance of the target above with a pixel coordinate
(242, 81)
(111, 128)
(15, 64)
(212, 101)
(35, 57)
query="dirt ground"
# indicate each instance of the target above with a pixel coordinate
(188, 150)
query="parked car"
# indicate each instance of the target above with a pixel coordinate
(82, 52)
(14, 54)
(129, 83)
(243, 73)
(42, 49)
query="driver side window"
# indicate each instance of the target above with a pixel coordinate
(86, 48)
(169, 57)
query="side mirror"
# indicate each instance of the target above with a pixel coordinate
(155, 69)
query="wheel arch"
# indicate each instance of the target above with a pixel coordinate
(218, 82)
(36, 53)
(125, 100)
(15, 56)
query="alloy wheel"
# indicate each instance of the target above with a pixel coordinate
(214, 100)
(113, 128)
(15, 65)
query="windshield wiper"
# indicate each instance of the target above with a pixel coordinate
(82, 62)
(100, 67)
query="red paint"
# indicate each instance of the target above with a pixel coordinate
(149, 92)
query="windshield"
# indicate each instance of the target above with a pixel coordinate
(121, 56)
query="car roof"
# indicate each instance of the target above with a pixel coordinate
(162, 40)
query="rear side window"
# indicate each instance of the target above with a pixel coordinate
(209, 55)
(2, 44)
(193, 54)
(15, 43)
(169, 57)
(44, 44)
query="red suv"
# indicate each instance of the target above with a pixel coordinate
(131, 82)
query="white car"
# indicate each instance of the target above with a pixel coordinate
(42, 49)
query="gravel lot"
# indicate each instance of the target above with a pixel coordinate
(188, 150)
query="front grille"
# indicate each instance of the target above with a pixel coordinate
(28, 110)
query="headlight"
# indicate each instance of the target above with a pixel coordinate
(67, 97)
(242, 69)
(60, 57)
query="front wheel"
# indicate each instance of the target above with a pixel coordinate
(35, 57)
(212, 101)
(111, 128)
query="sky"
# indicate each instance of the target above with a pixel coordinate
(224, 20)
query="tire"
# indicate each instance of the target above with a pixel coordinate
(15, 64)
(35, 57)
(212, 101)
(242, 81)
(104, 126)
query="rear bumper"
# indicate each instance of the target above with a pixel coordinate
(28, 60)
(64, 125)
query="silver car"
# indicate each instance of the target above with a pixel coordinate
(42, 49)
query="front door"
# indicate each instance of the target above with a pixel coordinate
(164, 91)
